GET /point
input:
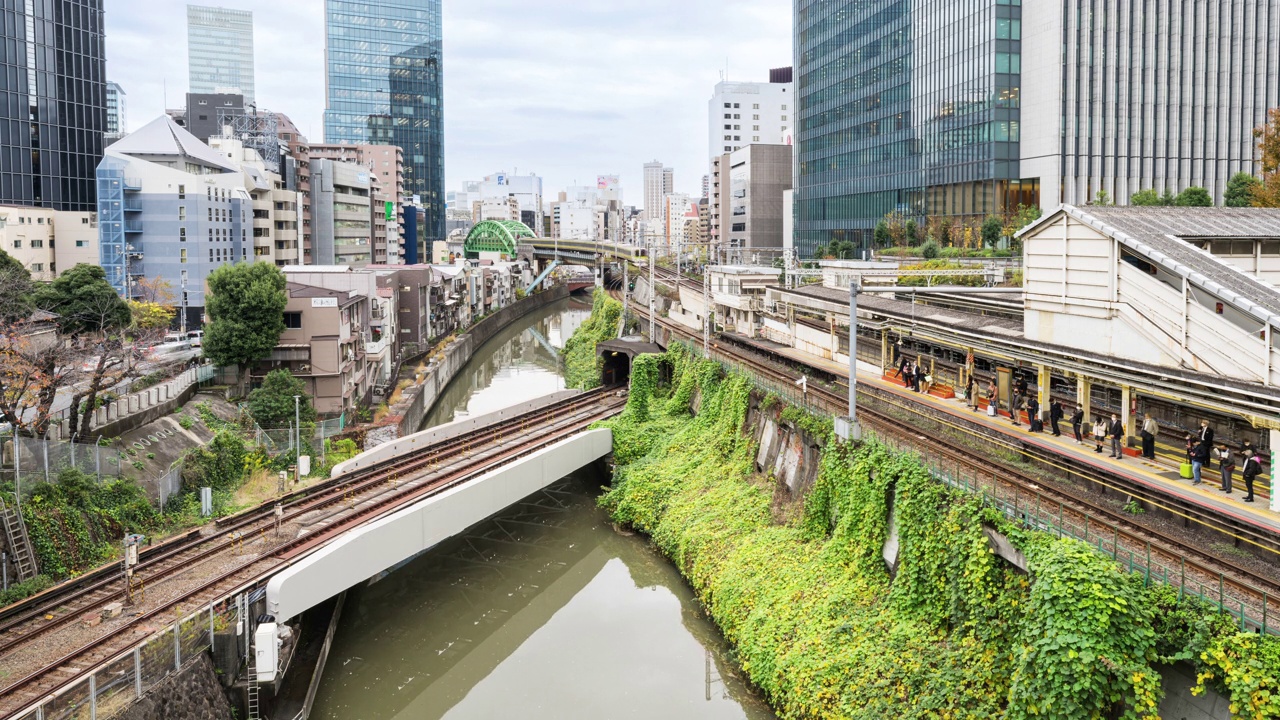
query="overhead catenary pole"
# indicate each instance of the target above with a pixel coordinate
(847, 428)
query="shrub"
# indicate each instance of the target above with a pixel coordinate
(929, 250)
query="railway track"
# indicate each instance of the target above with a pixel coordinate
(248, 549)
(1027, 497)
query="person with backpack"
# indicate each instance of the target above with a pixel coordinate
(1055, 417)
(1077, 421)
(1033, 414)
(1226, 466)
(1252, 469)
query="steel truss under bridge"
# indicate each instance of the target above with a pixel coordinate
(496, 236)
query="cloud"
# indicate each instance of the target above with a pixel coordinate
(564, 89)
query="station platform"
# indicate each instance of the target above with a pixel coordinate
(1157, 475)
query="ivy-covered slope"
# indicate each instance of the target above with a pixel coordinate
(582, 367)
(823, 630)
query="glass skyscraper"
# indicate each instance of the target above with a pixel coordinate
(384, 85)
(52, 103)
(948, 111)
(220, 51)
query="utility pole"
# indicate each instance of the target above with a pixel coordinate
(651, 290)
(297, 428)
(847, 428)
(706, 310)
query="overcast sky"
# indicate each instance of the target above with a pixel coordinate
(567, 89)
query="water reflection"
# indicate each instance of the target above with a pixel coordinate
(519, 363)
(541, 612)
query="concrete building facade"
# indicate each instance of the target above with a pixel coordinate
(742, 113)
(117, 113)
(659, 181)
(48, 242)
(220, 51)
(341, 213)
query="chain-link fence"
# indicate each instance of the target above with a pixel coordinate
(119, 682)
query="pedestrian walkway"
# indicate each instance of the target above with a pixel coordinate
(1155, 475)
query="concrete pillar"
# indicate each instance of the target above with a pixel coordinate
(1275, 484)
(1084, 389)
(1044, 378)
(1126, 415)
(884, 350)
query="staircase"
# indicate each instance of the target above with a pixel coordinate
(15, 535)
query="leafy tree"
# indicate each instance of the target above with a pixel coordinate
(245, 304)
(1267, 194)
(882, 234)
(992, 229)
(1102, 198)
(1194, 197)
(913, 232)
(272, 404)
(15, 290)
(83, 300)
(1168, 199)
(930, 250)
(1240, 190)
(1145, 198)
(841, 249)
(153, 307)
(944, 231)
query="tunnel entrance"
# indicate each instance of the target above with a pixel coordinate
(617, 355)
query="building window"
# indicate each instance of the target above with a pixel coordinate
(182, 255)
(755, 138)
(784, 117)
(293, 321)
(735, 105)
(756, 128)
(784, 108)
(182, 192)
(210, 214)
(726, 104)
(37, 244)
(726, 116)
(39, 221)
(84, 221)
(17, 244)
(37, 267)
(756, 106)
(82, 243)
(182, 234)
(208, 193)
(736, 137)
(737, 127)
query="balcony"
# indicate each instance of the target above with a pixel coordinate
(133, 226)
(132, 204)
(132, 184)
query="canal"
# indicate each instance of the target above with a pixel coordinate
(543, 611)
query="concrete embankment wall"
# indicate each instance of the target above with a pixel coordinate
(405, 417)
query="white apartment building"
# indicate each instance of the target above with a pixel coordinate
(743, 113)
(659, 181)
(525, 189)
(48, 241)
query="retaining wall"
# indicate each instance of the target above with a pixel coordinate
(192, 693)
(406, 416)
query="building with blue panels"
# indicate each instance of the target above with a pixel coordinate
(948, 112)
(384, 86)
(171, 207)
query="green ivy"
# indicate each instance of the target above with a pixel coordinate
(823, 629)
(582, 367)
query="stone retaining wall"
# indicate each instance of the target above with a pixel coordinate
(190, 694)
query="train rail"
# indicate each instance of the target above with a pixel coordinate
(1048, 505)
(246, 548)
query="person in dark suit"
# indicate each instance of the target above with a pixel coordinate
(1252, 469)
(1033, 414)
(1055, 417)
(1205, 435)
(1116, 432)
(1077, 422)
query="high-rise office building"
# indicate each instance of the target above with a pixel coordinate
(220, 51)
(659, 182)
(916, 106)
(384, 86)
(742, 113)
(52, 103)
(117, 115)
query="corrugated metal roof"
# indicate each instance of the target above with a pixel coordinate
(1162, 234)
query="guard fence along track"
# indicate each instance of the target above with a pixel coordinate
(249, 549)
(1161, 557)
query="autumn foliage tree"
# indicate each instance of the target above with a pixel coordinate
(1267, 194)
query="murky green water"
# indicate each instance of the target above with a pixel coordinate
(544, 611)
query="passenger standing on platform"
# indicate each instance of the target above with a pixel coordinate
(903, 366)
(971, 392)
(993, 399)
(1033, 414)
(1100, 432)
(1116, 431)
(1077, 419)
(1206, 433)
(1055, 417)
(897, 354)
(1252, 469)
(1015, 405)
(920, 375)
(1226, 466)
(1150, 431)
(1199, 458)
